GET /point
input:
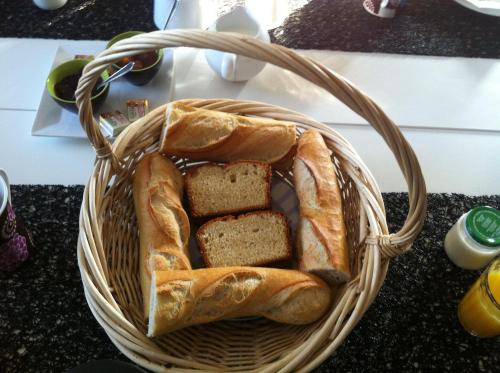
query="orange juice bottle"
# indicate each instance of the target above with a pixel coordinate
(479, 310)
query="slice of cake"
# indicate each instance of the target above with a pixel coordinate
(214, 190)
(255, 238)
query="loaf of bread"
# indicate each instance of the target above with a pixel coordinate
(321, 235)
(163, 223)
(255, 238)
(183, 298)
(215, 190)
(210, 135)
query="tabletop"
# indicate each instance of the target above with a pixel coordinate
(45, 324)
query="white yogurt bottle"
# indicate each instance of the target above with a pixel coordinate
(474, 240)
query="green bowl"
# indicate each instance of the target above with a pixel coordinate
(140, 76)
(69, 68)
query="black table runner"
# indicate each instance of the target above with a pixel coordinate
(46, 325)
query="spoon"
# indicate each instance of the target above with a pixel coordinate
(119, 73)
(172, 11)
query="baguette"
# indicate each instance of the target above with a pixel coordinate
(183, 298)
(201, 134)
(163, 223)
(321, 235)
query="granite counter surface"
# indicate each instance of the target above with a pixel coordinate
(46, 325)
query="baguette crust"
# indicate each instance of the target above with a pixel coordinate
(163, 223)
(183, 298)
(191, 173)
(203, 248)
(201, 134)
(322, 243)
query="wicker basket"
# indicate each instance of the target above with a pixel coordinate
(108, 242)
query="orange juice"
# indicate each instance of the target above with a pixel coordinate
(479, 310)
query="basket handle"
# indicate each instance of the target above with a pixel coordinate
(391, 245)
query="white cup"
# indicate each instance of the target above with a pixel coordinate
(233, 67)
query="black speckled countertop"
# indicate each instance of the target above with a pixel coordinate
(46, 325)
(430, 27)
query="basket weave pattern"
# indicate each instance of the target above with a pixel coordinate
(108, 241)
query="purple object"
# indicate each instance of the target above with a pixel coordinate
(8, 228)
(14, 238)
(13, 252)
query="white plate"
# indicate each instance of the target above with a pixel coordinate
(490, 7)
(52, 120)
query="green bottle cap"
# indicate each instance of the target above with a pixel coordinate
(483, 224)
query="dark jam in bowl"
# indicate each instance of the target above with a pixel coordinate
(66, 88)
(142, 60)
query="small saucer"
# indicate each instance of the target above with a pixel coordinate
(490, 8)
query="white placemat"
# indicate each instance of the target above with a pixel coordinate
(415, 91)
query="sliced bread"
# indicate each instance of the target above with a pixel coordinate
(255, 238)
(215, 190)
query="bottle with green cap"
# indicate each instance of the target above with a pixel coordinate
(474, 240)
